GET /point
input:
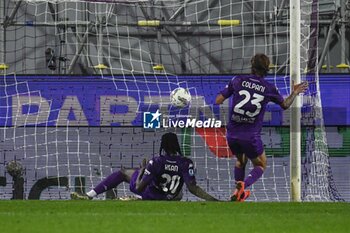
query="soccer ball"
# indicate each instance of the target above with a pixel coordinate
(14, 168)
(180, 97)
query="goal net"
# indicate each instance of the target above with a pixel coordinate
(79, 76)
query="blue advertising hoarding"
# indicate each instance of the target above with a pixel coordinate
(121, 101)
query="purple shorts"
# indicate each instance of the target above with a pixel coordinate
(252, 148)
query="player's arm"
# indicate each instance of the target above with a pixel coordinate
(225, 93)
(144, 177)
(190, 181)
(140, 185)
(219, 99)
(297, 89)
(199, 192)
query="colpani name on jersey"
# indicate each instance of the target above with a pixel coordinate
(253, 86)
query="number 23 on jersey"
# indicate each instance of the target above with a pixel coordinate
(255, 100)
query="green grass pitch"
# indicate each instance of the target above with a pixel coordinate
(147, 216)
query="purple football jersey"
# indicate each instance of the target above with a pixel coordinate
(165, 176)
(250, 96)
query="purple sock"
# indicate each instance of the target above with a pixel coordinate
(239, 173)
(253, 176)
(110, 182)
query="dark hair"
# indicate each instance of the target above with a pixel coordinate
(170, 144)
(260, 64)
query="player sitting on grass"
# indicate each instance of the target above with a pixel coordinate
(250, 96)
(161, 179)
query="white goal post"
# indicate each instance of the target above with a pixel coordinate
(295, 129)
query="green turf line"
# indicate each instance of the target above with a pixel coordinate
(182, 217)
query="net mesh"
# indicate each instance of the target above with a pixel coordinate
(70, 132)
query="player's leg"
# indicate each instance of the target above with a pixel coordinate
(240, 193)
(241, 159)
(112, 181)
(239, 170)
(239, 176)
(254, 151)
(259, 164)
(128, 174)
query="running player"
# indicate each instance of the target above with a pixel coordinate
(250, 96)
(161, 179)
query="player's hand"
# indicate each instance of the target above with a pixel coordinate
(143, 163)
(300, 88)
